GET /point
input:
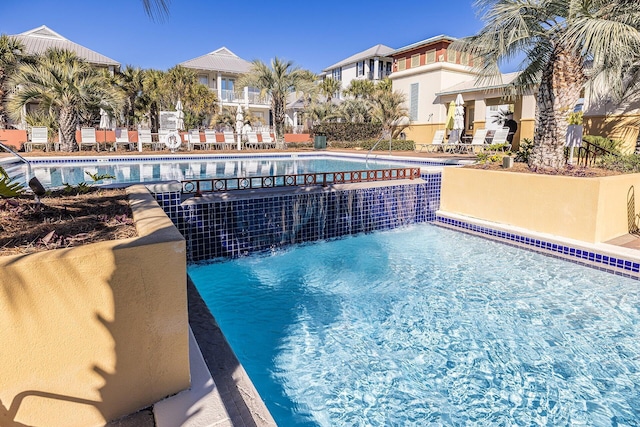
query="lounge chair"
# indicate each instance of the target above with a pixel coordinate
(268, 140)
(39, 136)
(252, 140)
(436, 143)
(500, 137)
(479, 139)
(122, 138)
(229, 141)
(88, 137)
(211, 140)
(194, 139)
(145, 138)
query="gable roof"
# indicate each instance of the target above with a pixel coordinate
(219, 60)
(379, 50)
(40, 39)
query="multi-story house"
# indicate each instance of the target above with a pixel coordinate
(371, 64)
(219, 71)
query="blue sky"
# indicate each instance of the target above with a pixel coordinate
(312, 34)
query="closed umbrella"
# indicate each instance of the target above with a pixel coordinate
(180, 118)
(239, 124)
(105, 120)
(458, 120)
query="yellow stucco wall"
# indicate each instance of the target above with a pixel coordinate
(588, 209)
(94, 332)
(622, 127)
(423, 133)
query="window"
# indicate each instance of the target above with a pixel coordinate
(431, 56)
(402, 64)
(203, 79)
(372, 67)
(413, 106)
(336, 74)
(359, 68)
(380, 69)
(415, 61)
(451, 55)
(389, 68)
(227, 84)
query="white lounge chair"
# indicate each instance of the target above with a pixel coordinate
(39, 136)
(88, 137)
(500, 137)
(145, 138)
(479, 139)
(268, 140)
(194, 139)
(229, 140)
(211, 140)
(122, 138)
(436, 143)
(252, 140)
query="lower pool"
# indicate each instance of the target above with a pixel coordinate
(429, 326)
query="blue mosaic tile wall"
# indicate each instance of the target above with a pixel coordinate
(606, 262)
(232, 228)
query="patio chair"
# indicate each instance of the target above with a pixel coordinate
(122, 138)
(229, 140)
(268, 140)
(39, 136)
(436, 143)
(252, 140)
(479, 139)
(500, 137)
(145, 138)
(194, 139)
(88, 137)
(211, 140)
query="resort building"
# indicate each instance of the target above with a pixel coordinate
(374, 64)
(431, 75)
(38, 40)
(219, 71)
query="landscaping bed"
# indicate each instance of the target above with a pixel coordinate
(64, 220)
(577, 171)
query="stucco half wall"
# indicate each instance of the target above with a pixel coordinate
(592, 210)
(95, 332)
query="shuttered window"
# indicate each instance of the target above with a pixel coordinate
(415, 61)
(431, 57)
(451, 55)
(402, 64)
(413, 108)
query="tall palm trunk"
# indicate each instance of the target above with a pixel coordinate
(560, 89)
(278, 116)
(68, 124)
(3, 112)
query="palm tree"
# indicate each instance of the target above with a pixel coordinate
(330, 87)
(355, 110)
(10, 52)
(360, 89)
(64, 85)
(131, 85)
(389, 109)
(568, 44)
(277, 81)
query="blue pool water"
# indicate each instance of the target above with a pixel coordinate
(428, 326)
(148, 171)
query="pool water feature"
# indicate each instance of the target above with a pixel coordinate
(132, 171)
(429, 326)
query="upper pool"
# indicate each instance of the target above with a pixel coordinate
(429, 326)
(57, 172)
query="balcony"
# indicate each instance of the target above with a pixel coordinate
(230, 96)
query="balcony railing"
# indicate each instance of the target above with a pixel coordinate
(212, 185)
(238, 97)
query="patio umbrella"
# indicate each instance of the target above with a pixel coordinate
(105, 120)
(180, 118)
(458, 120)
(450, 113)
(239, 124)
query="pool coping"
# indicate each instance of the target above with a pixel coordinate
(601, 256)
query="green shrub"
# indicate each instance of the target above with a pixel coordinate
(628, 164)
(396, 144)
(523, 154)
(488, 157)
(613, 145)
(348, 131)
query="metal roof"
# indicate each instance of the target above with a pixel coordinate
(430, 40)
(219, 60)
(379, 50)
(40, 39)
(471, 86)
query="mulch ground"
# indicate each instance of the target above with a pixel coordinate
(64, 220)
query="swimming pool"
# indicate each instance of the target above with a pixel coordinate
(130, 170)
(429, 326)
